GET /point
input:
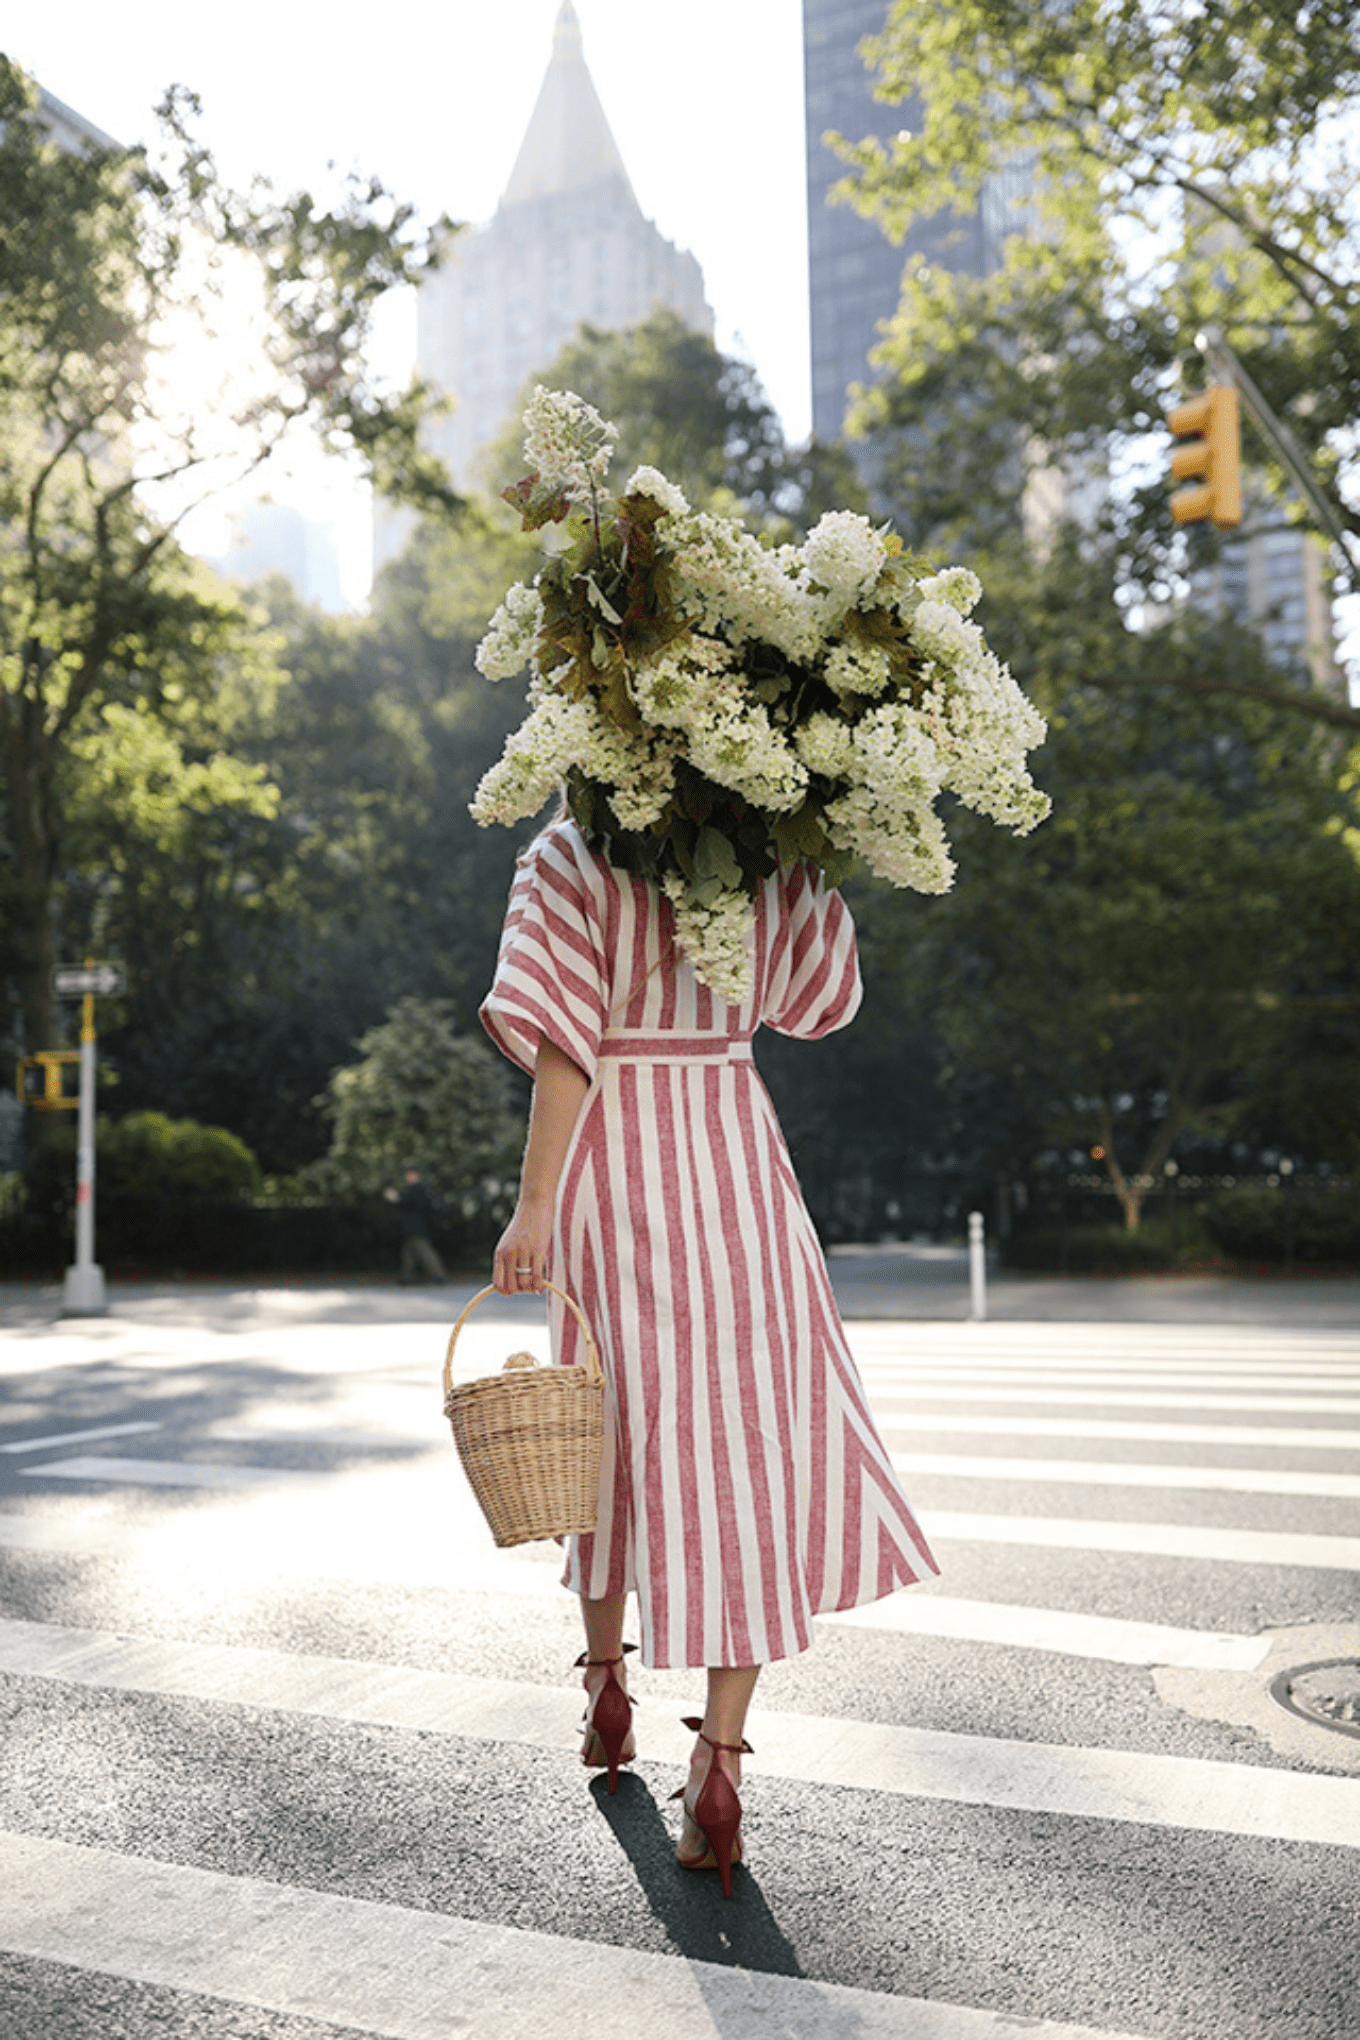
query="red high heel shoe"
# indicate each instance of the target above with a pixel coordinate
(716, 1812)
(609, 1720)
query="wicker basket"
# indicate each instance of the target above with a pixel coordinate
(529, 1438)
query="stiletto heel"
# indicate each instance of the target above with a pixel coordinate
(608, 1719)
(716, 1811)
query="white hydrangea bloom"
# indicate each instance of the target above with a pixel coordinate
(566, 441)
(958, 586)
(857, 669)
(694, 688)
(639, 770)
(742, 750)
(719, 940)
(940, 632)
(727, 581)
(844, 555)
(826, 745)
(886, 815)
(687, 682)
(650, 482)
(906, 847)
(534, 762)
(509, 641)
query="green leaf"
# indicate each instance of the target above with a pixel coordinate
(715, 858)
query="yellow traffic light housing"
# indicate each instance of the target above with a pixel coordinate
(39, 1080)
(1215, 455)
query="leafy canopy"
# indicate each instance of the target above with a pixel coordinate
(1157, 166)
(102, 618)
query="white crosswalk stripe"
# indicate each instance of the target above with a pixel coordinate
(383, 1969)
(1150, 1540)
(973, 1770)
(1249, 1480)
(408, 1975)
(1322, 1438)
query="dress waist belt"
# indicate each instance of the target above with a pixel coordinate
(675, 1047)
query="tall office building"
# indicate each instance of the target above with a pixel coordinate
(854, 271)
(1273, 576)
(568, 243)
(70, 130)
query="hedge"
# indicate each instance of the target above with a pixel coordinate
(206, 1236)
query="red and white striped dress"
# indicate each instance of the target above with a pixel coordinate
(744, 1487)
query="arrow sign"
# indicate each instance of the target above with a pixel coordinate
(71, 981)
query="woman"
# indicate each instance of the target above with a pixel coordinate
(743, 1485)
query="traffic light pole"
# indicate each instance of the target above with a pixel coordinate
(1223, 362)
(83, 1292)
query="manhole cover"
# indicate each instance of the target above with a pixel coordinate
(1327, 1694)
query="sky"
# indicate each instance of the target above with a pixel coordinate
(705, 101)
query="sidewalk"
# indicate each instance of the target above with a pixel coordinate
(895, 1282)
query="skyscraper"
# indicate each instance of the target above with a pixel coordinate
(568, 243)
(854, 271)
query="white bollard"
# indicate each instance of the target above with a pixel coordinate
(977, 1269)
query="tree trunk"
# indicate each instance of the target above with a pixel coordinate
(1132, 1190)
(36, 841)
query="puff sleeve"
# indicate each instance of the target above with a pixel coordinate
(551, 981)
(813, 983)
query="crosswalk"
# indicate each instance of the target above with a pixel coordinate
(1093, 1668)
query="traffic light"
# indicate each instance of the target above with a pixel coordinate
(41, 1079)
(1215, 455)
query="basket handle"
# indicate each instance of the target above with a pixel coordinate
(592, 1356)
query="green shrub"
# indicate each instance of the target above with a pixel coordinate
(1090, 1249)
(424, 1096)
(1250, 1224)
(145, 1155)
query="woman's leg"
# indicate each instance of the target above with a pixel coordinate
(729, 1696)
(603, 1622)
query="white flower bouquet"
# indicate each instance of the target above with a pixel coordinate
(717, 707)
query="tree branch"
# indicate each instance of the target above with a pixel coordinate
(1316, 706)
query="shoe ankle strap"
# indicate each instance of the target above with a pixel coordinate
(736, 1749)
(624, 1649)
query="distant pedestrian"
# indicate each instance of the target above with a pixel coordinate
(419, 1206)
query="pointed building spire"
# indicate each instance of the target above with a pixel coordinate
(568, 142)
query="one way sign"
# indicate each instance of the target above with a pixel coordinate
(72, 981)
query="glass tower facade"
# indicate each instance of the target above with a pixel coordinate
(855, 272)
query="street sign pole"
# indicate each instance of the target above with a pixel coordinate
(83, 1293)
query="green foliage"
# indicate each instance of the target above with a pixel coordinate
(1316, 1222)
(103, 623)
(700, 416)
(1166, 169)
(424, 1097)
(1130, 966)
(1093, 1250)
(146, 1155)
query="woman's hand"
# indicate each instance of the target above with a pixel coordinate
(559, 1088)
(522, 1252)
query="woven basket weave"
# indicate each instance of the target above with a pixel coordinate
(530, 1438)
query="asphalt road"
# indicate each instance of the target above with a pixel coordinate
(288, 1748)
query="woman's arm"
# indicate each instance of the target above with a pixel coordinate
(559, 1088)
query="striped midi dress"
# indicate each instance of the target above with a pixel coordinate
(744, 1487)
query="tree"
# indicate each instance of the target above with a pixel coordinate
(99, 611)
(1168, 169)
(264, 935)
(1136, 965)
(700, 416)
(422, 1096)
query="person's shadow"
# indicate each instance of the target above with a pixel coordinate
(717, 1933)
